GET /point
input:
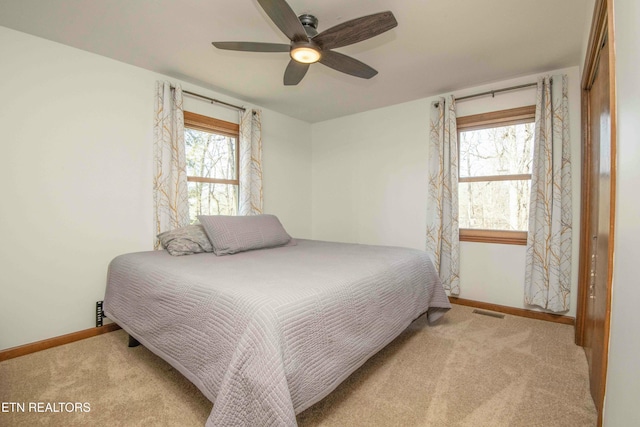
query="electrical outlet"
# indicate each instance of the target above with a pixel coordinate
(99, 314)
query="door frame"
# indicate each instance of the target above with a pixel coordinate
(602, 31)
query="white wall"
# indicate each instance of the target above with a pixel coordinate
(623, 373)
(76, 179)
(366, 171)
(369, 181)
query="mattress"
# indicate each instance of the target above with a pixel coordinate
(266, 334)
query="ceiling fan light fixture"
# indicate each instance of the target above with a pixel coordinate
(305, 54)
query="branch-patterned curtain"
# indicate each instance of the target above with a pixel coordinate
(442, 208)
(548, 270)
(170, 197)
(250, 196)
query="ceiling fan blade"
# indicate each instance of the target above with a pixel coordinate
(253, 47)
(294, 73)
(285, 18)
(347, 64)
(356, 30)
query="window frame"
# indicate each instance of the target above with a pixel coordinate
(220, 127)
(513, 116)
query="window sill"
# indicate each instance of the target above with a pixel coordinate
(494, 236)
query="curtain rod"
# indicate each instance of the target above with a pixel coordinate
(211, 100)
(493, 92)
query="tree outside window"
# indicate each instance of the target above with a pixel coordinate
(495, 160)
(211, 148)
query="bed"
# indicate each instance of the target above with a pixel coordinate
(265, 334)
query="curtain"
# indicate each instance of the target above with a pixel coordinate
(548, 268)
(170, 197)
(442, 208)
(250, 196)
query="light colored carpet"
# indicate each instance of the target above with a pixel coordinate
(469, 370)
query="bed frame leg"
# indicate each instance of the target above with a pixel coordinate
(133, 342)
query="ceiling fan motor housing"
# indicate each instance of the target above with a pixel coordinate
(310, 24)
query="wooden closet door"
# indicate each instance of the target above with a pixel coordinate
(598, 202)
(598, 293)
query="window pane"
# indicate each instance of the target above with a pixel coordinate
(212, 199)
(505, 150)
(210, 155)
(494, 205)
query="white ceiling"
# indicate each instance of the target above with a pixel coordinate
(438, 46)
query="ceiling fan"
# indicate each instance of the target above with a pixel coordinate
(308, 47)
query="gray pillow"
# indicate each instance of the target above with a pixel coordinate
(187, 240)
(232, 234)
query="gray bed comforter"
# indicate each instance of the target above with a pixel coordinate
(266, 334)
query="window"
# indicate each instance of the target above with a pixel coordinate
(495, 158)
(211, 147)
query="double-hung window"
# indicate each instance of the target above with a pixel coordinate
(495, 158)
(211, 148)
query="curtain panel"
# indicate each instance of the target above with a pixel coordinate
(548, 266)
(170, 196)
(442, 206)
(250, 197)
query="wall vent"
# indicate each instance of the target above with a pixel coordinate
(489, 313)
